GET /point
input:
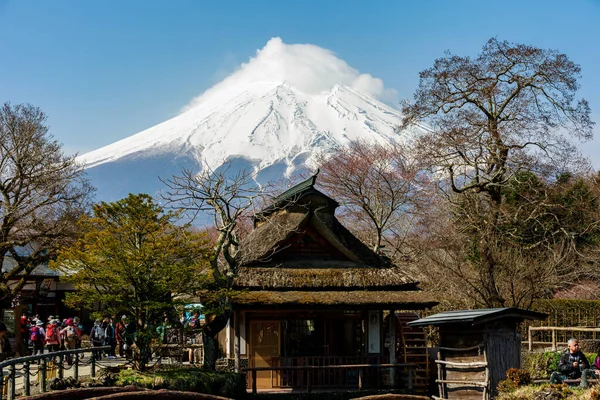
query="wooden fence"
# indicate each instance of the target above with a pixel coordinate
(321, 368)
(555, 340)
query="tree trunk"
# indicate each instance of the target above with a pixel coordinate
(487, 253)
(211, 351)
(213, 326)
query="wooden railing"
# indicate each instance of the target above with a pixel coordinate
(339, 378)
(319, 369)
(48, 362)
(554, 329)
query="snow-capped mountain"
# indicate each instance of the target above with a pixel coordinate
(273, 115)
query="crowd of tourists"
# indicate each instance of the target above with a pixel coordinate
(55, 334)
(51, 334)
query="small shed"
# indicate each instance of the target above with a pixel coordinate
(476, 349)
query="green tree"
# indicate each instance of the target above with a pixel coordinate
(42, 194)
(509, 110)
(131, 257)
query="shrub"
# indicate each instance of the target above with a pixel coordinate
(226, 384)
(541, 365)
(514, 378)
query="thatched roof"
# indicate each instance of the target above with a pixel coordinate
(265, 240)
(407, 300)
(298, 243)
(300, 194)
(346, 242)
(330, 275)
(269, 238)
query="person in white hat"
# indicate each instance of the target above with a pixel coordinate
(37, 335)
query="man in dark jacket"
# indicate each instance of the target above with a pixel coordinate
(573, 365)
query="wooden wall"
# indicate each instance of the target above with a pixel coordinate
(503, 350)
(473, 360)
(461, 364)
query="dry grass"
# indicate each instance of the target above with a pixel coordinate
(548, 391)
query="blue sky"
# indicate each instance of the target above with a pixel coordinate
(105, 70)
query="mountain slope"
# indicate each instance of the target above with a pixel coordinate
(276, 127)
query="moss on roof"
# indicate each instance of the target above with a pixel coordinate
(415, 300)
(320, 275)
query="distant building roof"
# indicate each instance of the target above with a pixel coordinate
(476, 317)
(8, 263)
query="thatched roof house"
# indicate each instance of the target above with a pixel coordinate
(299, 254)
(309, 288)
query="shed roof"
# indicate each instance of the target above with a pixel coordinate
(476, 317)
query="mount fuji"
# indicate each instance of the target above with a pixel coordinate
(273, 116)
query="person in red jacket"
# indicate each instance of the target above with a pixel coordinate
(53, 335)
(25, 325)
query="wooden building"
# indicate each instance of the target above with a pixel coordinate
(476, 349)
(312, 294)
(43, 292)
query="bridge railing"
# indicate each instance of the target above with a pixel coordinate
(49, 364)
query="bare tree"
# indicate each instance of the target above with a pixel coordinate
(509, 110)
(42, 194)
(226, 195)
(378, 187)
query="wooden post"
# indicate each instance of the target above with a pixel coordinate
(440, 378)
(410, 379)
(12, 384)
(93, 369)
(530, 339)
(61, 367)
(486, 389)
(42, 375)
(360, 378)
(236, 340)
(553, 339)
(392, 348)
(27, 383)
(76, 367)
(253, 381)
(308, 381)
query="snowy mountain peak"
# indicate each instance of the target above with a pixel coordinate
(274, 115)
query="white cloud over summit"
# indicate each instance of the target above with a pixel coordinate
(306, 67)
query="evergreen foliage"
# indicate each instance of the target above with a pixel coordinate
(132, 258)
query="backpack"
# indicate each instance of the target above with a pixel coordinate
(51, 332)
(194, 323)
(24, 324)
(71, 333)
(109, 333)
(35, 334)
(97, 334)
